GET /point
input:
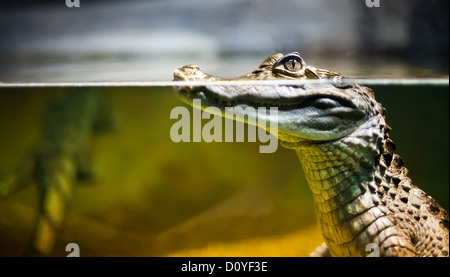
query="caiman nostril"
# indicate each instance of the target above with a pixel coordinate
(179, 76)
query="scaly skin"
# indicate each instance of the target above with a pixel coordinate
(361, 190)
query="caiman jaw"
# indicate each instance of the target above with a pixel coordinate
(308, 111)
(319, 110)
(250, 95)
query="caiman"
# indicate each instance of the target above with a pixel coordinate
(362, 194)
(60, 159)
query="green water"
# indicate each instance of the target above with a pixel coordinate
(154, 197)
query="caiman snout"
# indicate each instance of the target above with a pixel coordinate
(191, 72)
(185, 73)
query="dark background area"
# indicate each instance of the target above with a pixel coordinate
(146, 40)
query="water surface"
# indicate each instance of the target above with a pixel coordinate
(154, 197)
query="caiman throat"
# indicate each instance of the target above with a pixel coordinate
(362, 193)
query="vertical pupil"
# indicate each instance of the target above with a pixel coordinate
(293, 64)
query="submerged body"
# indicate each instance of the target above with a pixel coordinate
(362, 194)
(59, 160)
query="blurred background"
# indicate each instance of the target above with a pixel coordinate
(153, 197)
(146, 40)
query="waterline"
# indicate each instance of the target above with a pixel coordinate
(343, 81)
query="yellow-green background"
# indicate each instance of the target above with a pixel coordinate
(153, 197)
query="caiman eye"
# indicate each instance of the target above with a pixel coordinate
(291, 62)
(292, 65)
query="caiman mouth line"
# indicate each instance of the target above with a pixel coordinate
(281, 104)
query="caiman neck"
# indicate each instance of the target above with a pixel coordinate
(334, 166)
(340, 174)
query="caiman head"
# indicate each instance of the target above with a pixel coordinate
(306, 112)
